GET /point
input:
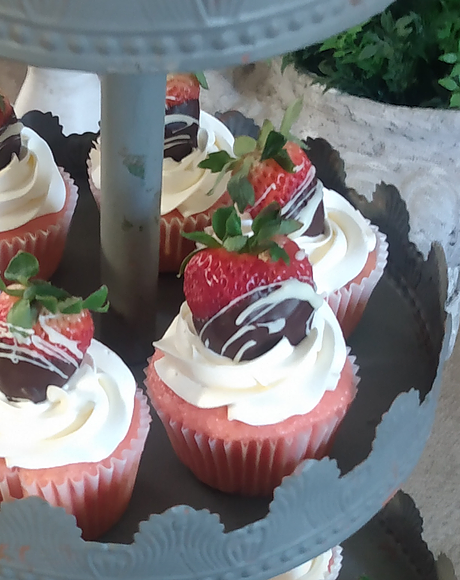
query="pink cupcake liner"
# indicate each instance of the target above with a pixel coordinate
(47, 245)
(348, 303)
(97, 494)
(251, 467)
(174, 248)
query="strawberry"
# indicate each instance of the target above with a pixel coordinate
(233, 286)
(272, 168)
(272, 183)
(181, 88)
(44, 331)
(214, 277)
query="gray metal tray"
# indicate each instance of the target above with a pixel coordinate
(166, 35)
(199, 533)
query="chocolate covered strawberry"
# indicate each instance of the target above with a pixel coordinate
(44, 331)
(182, 114)
(273, 168)
(10, 132)
(235, 285)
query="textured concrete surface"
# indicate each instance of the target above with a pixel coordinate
(435, 484)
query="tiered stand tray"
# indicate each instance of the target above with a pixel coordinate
(197, 533)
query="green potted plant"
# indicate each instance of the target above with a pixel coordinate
(407, 55)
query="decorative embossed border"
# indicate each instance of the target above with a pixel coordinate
(150, 36)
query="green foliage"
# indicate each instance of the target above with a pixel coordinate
(408, 55)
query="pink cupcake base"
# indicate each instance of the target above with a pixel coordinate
(250, 460)
(97, 494)
(348, 303)
(44, 237)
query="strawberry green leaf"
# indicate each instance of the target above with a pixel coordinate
(216, 161)
(291, 115)
(278, 253)
(201, 78)
(45, 289)
(202, 238)
(273, 146)
(287, 227)
(29, 293)
(97, 301)
(284, 161)
(49, 302)
(22, 314)
(72, 305)
(2, 104)
(265, 131)
(22, 267)
(266, 215)
(235, 244)
(241, 191)
(244, 145)
(233, 225)
(223, 172)
(219, 221)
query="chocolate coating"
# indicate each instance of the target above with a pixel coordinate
(300, 201)
(316, 227)
(26, 380)
(181, 136)
(263, 328)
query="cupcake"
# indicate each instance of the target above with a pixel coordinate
(252, 377)
(189, 193)
(326, 566)
(73, 425)
(37, 198)
(348, 254)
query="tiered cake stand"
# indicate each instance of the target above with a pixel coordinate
(398, 342)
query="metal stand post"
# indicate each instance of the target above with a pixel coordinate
(132, 127)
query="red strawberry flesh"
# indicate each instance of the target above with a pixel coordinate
(215, 277)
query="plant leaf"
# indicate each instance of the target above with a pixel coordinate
(243, 145)
(233, 225)
(22, 314)
(216, 161)
(241, 191)
(219, 220)
(22, 267)
(97, 301)
(278, 253)
(202, 238)
(273, 145)
(449, 57)
(291, 115)
(49, 302)
(284, 161)
(266, 129)
(235, 244)
(201, 78)
(72, 305)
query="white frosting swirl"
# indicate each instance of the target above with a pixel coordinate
(84, 421)
(287, 380)
(30, 186)
(185, 185)
(315, 569)
(338, 255)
